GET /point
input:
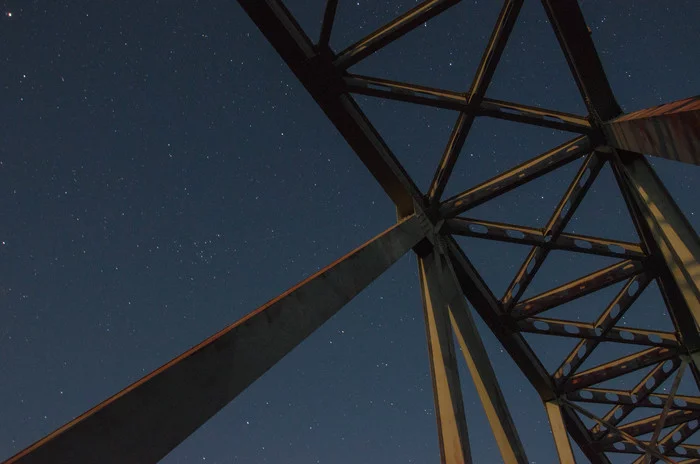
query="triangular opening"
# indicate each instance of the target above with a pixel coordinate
(688, 385)
(523, 401)
(648, 312)
(603, 212)
(496, 261)
(456, 39)
(530, 204)
(561, 267)
(416, 134)
(495, 146)
(533, 70)
(550, 349)
(477, 422)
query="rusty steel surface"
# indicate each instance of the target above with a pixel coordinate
(667, 254)
(669, 131)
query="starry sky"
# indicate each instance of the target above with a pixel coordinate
(162, 173)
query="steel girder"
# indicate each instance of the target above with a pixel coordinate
(211, 374)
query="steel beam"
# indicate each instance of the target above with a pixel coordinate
(561, 437)
(480, 368)
(624, 397)
(523, 235)
(327, 24)
(519, 175)
(392, 31)
(315, 70)
(450, 100)
(578, 431)
(488, 308)
(577, 288)
(575, 329)
(670, 131)
(586, 175)
(576, 43)
(618, 367)
(621, 432)
(447, 393)
(146, 420)
(627, 295)
(673, 243)
(646, 386)
(481, 81)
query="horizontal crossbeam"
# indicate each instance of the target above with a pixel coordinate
(449, 100)
(590, 331)
(503, 232)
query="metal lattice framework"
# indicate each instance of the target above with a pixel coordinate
(151, 417)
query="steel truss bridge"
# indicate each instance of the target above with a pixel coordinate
(148, 419)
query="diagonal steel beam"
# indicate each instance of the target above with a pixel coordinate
(579, 186)
(512, 233)
(449, 405)
(621, 433)
(480, 368)
(670, 131)
(392, 31)
(533, 115)
(327, 24)
(481, 81)
(450, 100)
(519, 175)
(324, 81)
(624, 397)
(146, 420)
(646, 386)
(576, 43)
(673, 243)
(578, 431)
(648, 424)
(488, 308)
(575, 329)
(555, 415)
(618, 367)
(577, 288)
(627, 295)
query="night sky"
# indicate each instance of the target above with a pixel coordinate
(163, 173)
